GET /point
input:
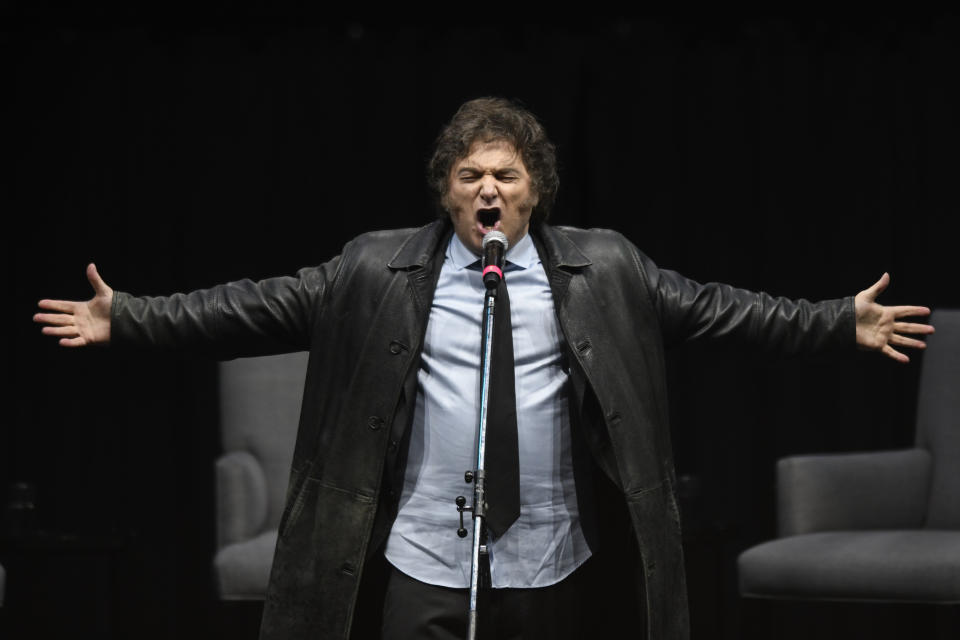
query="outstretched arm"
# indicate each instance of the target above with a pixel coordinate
(79, 324)
(879, 328)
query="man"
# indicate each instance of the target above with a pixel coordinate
(389, 411)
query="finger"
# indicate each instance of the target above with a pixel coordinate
(908, 311)
(99, 286)
(58, 319)
(67, 332)
(67, 306)
(73, 342)
(893, 353)
(901, 341)
(912, 327)
(878, 287)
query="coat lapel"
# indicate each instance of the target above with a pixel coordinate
(577, 313)
(418, 258)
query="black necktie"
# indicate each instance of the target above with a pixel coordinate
(502, 457)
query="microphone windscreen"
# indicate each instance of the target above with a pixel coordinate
(494, 249)
(495, 236)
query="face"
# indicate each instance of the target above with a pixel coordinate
(490, 190)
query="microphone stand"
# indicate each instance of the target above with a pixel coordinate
(478, 476)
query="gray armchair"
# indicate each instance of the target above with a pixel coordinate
(259, 410)
(879, 526)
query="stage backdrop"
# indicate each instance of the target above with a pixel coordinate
(800, 156)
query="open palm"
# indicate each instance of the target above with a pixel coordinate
(880, 328)
(77, 323)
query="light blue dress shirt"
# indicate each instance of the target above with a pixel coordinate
(546, 543)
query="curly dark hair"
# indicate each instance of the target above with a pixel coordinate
(487, 120)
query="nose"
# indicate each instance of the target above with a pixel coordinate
(488, 188)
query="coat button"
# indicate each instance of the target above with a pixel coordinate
(396, 348)
(374, 422)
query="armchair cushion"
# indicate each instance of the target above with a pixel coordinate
(904, 566)
(878, 490)
(242, 497)
(243, 569)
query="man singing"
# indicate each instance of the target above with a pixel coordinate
(388, 423)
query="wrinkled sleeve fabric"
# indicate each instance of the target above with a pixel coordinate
(689, 310)
(236, 319)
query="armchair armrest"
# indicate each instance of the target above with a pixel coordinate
(875, 490)
(241, 497)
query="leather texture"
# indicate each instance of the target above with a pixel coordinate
(242, 501)
(877, 526)
(243, 568)
(874, 490)
(363, 315)
(938, 418)
(260, 402)
(882, 565)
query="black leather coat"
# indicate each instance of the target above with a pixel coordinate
(363, 316)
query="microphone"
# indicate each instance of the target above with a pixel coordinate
(494, 248)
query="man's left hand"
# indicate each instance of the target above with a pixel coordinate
(879, 327)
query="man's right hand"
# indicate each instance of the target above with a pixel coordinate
(79, 324)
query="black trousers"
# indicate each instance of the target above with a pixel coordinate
(414, 610)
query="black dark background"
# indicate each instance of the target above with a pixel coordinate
(803, 155)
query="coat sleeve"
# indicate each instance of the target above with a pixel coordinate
(689, 310)
(236, 319)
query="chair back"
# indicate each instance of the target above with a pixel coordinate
(259, 414)
(938, 418)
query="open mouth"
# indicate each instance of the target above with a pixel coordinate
(489, 218)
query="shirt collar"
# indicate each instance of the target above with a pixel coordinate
(521, 256)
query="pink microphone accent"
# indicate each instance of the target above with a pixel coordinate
(494, 268)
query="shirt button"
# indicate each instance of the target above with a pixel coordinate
(374, 422)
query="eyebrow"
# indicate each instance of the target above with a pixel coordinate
(475, 169)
